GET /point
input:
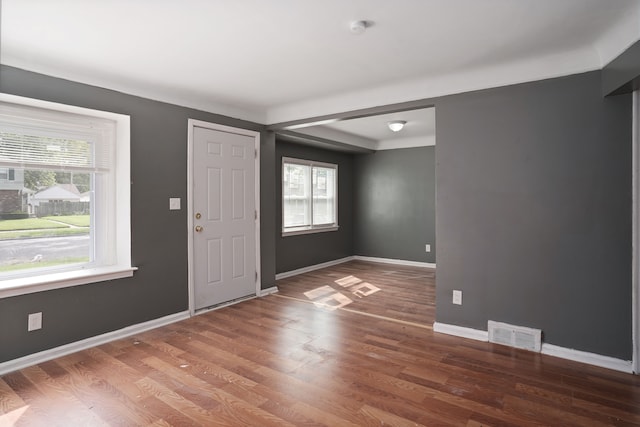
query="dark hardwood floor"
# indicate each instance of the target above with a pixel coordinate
(282, 360)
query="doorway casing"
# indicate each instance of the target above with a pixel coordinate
(635, 240)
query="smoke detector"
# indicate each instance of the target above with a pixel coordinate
(358, 27)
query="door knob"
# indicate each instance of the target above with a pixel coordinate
(199, 228)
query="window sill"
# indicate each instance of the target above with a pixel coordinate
(29, 285)
(299, 231)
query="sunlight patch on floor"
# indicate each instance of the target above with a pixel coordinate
(345, 282)
(318, 292)
(11, 418)
(364, 289)
(331, 299)
(333, 302)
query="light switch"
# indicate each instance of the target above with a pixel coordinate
(35, 322)
(174, 203)
(457, 297)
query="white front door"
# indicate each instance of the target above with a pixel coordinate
(223, 216)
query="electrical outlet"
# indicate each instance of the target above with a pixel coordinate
(427, 248)
(174, 203)
(35, 322)
(457, 297)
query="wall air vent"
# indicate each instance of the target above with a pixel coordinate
(515, 336)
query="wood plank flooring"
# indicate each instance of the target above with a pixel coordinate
(283, 361)
(379, 290)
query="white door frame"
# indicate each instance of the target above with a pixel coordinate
(192, 123)
(635, 240)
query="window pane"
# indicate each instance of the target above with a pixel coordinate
(324, 184)
(295, 195)
(45, 220)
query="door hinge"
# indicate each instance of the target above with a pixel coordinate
(255, 153)
(255, 214)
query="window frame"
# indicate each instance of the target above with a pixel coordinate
(311, 228)
(116, 211)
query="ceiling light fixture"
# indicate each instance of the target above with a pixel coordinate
(396, 125)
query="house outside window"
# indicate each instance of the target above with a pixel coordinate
(309, 196)
(7, 174)
(69, 169)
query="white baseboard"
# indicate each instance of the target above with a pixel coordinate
(461, 331)
(589, 358)
(303, 270)
(268, 291)
(312, 268)
(395, 261)
(63, 350)
(548, 349)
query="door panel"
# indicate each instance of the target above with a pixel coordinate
(239, 255)
(214, 199)
(224, 242)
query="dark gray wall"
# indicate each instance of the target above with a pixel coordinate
(159, 238)
(534, 211)
(622, 75)
(268, 224)
(293, 252)
(394, 204)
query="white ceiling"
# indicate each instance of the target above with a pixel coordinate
(281, 60)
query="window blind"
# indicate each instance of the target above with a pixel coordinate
(34, 138)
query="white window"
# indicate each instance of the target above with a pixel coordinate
(309, 196)
(4, 174)
(74, 167)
